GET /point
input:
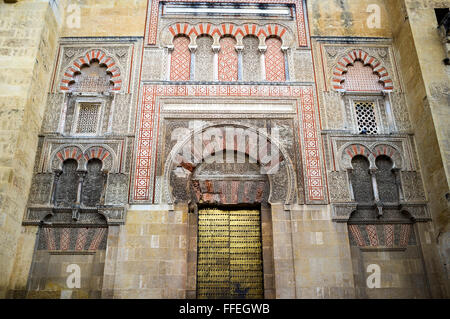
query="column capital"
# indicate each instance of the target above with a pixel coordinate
(215, 48)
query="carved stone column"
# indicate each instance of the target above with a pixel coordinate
(239, 49)
(193, 49)
(169, 61)
(262, 51)
(286, 62)
(372, 172)
(216, 50)
(55, 185)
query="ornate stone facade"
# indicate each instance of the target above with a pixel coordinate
(213, 111)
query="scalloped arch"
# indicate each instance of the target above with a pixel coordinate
(340, 69)
(86, 59)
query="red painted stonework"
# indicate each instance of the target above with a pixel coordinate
(180, 66)
(299, 10)
(85, 60)
(360, 78)
(309, 135)
(228, 60)
(227, 29)
(341, 70)
(275, 67)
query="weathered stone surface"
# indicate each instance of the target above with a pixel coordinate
(126, 211)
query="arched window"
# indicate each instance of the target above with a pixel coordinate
(204, 59)
(93, 79)
(67, 184)
(361, 78)
(361, 180)
(228, 60)
(251, 59)
(180, 65)
(275, 64)
(386, 180)
(93, 184)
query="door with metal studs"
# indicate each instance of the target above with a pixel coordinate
(229, 263)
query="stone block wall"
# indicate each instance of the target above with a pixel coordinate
(50, 274)
(151, 259)
(321, 255)
(152, 253)
(417, 43)
(29, 36)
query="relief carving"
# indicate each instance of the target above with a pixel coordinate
(117, 189)
(412, 186)
(338, 186)
(303, 66)
(400, 110)
(55, 103)
(41, 188)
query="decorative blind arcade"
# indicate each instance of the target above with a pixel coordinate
(228, 62)
(229, 261)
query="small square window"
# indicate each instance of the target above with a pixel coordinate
(365, 115)
(88, 118)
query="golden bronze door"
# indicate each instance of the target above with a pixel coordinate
(229, 263)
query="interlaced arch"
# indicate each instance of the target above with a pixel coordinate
(342, 67)
(96, 55)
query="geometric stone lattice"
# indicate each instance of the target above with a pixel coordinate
(180, 67)
(386, 180)
(228, 60)
(144, 181)
(361, 180)
(88, 116)
(67, 184)
(361, 78)
(93, 184)
(365, 115)
(93, 78)
(275, 71)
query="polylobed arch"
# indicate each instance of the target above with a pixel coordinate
(283, 166)
(341, 68)
(103, 59)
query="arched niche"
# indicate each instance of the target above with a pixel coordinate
(98, 67)
(186, 162)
